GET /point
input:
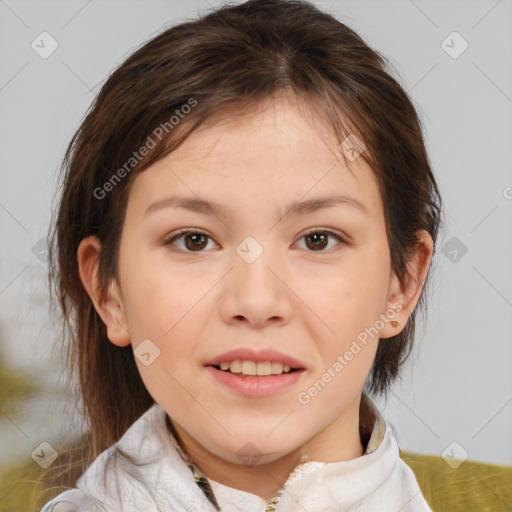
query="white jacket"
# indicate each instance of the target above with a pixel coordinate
(147, 471)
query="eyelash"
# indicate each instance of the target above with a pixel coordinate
(179, 234)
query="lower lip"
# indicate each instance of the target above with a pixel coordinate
(255, 385)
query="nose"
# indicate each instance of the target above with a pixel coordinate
(255, 292)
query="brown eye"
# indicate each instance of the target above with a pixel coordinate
(196, 241)
(192, 241)
(317, 241)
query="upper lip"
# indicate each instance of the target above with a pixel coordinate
(248, 354)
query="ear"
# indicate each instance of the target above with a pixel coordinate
(110, 308)
(403, 297)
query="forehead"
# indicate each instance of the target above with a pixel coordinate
(277, 152)
(277, 125)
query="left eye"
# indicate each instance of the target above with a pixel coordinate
(319, 239)
(196, 241)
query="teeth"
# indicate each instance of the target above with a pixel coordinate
(249, 368)
(252, 368)
(236, 366)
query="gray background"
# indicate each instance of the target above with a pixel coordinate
(458, 384)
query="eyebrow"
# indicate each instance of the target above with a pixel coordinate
(206, 207)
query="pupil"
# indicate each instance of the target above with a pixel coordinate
(196, 239)
(316, 239)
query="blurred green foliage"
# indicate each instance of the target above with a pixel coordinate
(19, 490)
(471, 487)
(13, 386)
(16, 483)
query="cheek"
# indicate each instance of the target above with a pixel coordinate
(166, 309)
(171, 308)
(160, 298)
(350, 299)
(363, 275)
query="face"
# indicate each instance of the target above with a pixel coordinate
(270, 267)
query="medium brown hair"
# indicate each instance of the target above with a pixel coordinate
(232, 58)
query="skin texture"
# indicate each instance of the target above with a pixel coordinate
(304, 297)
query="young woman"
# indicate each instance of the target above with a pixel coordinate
(245, 232)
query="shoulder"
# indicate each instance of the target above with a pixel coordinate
(113, 467)
(69, 501)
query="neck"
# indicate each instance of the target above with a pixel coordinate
(339, 441)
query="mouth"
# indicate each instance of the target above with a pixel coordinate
(252, 368)
(263, 362)
(255, 380)
(251, 373)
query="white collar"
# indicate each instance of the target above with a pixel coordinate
(144, 472)
(372, 428)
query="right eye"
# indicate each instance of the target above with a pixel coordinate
(193, 241)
